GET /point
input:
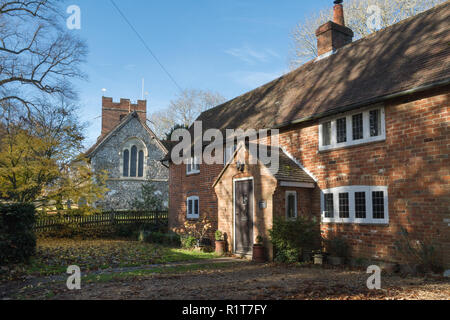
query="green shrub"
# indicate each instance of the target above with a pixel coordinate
(419, 254)
(218, 235)
(17, 238)
(337, 247)
(188, 242)
(291, 237)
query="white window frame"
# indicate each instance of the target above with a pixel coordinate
(192, 163)
(350, 142)
(192, 215)
(288, 193)
(352, 218)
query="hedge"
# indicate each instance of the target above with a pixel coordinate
(17, 238)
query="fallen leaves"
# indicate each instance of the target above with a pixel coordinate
(53, 256)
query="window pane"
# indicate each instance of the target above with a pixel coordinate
(196, 207)
(360, 205)
(126, 162)
(189, 207)
(133, 161)
(344, 211)
(196, 164)
(378, 204)
(375, 123)
(329, 205)
(326, 133)
(291, 206)
(341, 128)
(357, 123)
(141, 164)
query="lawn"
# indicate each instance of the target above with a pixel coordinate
(55, 255)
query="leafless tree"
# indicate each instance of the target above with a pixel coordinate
(184, 110)
(38, 55)
(357, 14)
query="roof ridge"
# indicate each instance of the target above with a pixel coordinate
(347, 47)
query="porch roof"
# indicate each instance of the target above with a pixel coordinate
(288, 169)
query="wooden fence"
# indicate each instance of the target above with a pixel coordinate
(50, 223)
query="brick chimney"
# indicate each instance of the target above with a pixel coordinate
(114, 112)
(334, 34)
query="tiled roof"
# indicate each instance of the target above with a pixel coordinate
(411, 54)
(287, 170)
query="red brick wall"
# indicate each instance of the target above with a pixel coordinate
(413, 162)
(182, 186)
(113, 111)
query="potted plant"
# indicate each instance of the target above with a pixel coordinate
(258, 250)
(337, 248)
(220, 242)
(318, 257)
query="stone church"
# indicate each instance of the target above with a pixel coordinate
(129, 152)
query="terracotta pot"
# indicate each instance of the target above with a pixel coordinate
(259, 255)
(220, 247)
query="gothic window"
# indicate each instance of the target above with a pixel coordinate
(126, 162)
(133, 159)
(141, 164)
(133, 162)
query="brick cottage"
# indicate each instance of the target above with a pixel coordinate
(364, 144)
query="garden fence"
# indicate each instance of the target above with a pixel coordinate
(50, 223)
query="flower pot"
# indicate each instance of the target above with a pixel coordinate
(220, 247)
(259, 255)
(335, 261)
(318, 259)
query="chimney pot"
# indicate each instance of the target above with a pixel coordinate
(338, 13)
(333, 35)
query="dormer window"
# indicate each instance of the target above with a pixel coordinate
(133, 159)
(352, 129)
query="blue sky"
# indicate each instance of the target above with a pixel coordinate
(228, 46)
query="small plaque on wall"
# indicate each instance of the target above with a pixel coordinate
(263, 204)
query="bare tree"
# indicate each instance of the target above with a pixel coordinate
(184, 110)
(37, 54)
(357, 14)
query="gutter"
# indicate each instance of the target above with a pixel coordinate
(367, 102)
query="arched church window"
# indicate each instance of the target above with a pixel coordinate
(141, 164)
(126, 162)
(133, 162)
(134, 153)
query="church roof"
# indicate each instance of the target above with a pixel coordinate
(102, 140)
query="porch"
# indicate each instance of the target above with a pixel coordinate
(250, 196)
